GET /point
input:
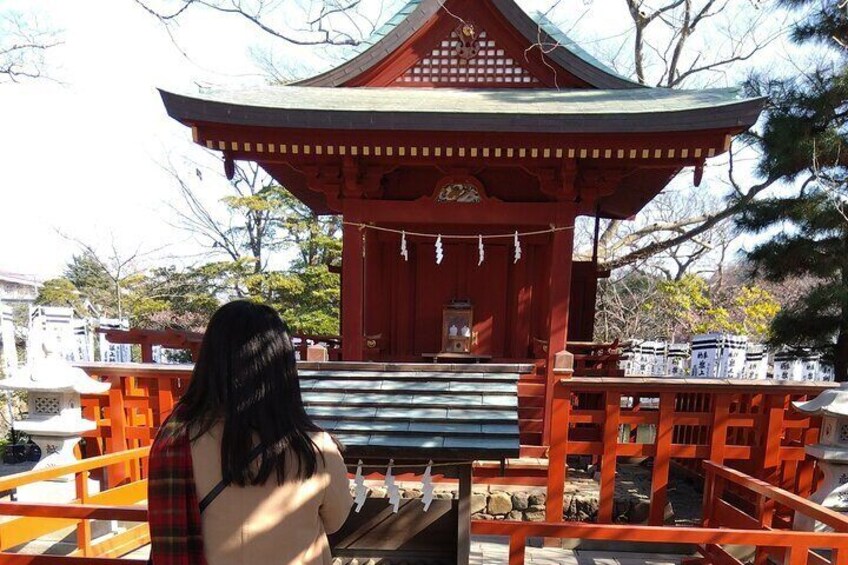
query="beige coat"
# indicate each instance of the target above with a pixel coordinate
(280, 524)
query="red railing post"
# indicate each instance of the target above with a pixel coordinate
(516, 548)
(557, 453)
(662, 459)
(612, 416)
(796, 555)
(84, 526)
(772, 437)
(117, 428)
(765, 514)
(709, 494)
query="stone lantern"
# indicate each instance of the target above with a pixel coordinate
(831, 453)
(55, 421)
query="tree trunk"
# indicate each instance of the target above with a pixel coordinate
(840, 353)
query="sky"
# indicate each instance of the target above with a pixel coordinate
(84, 155)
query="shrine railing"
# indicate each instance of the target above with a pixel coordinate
(724, 523)
(36, 520)
(747, 424)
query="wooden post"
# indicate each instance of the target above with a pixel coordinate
(146, 351)
(118, 430)
(709, 493)
(612, 412)
(517, 544)
(463, 540)
(557, 453)
(718, 444)
(718, 427)
(807, 467)
(662, 459)
(562, 248)
(164, 398)
(775, 408)
(765, 513)
(84, 526)
(353, 278)
(796, 555)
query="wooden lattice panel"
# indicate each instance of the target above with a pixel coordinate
(492, 66)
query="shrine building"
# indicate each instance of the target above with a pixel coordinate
(459, 145)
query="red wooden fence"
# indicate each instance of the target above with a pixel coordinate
(744, 423)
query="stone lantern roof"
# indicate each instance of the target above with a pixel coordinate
(53, 375)
(832, 402)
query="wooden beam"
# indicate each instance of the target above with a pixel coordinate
(493, 212)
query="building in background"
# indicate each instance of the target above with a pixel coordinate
(17, 288)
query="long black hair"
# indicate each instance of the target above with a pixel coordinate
(246, 376)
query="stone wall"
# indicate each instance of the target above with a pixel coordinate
(631, 504)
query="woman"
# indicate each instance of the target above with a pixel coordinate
(240, 432)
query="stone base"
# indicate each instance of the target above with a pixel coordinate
(631, 504)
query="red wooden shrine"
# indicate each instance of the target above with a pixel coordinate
(463, 119)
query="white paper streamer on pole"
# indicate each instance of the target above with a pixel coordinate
(481, 252)
(427, 487)
(404, 250)
(361, 491)
(440, 254)
(392, 489)
(517, 248)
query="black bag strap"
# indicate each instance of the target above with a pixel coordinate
(223, 483)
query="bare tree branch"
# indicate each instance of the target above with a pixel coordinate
(323, 26)
(22, 48)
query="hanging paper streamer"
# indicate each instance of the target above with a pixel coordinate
(517, 248)
(361, 491)
(481, 251)
(404, 251)
(427, 487)
(440, 254)
(392, 489)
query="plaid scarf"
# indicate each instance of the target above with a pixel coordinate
(176, 532)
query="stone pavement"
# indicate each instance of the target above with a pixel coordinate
(487, 550)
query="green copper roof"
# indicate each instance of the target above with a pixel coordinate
(563, 40)
(391, 24)
(560, 50)
(447, 109)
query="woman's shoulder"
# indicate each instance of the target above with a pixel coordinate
(325, 441)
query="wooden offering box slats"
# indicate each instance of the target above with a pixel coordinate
(412, 415)
(436, 414)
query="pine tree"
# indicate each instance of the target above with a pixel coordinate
(803, 143)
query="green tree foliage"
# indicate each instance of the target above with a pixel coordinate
(263, 218)
(60, 292)
(803, 144)
(682, 308)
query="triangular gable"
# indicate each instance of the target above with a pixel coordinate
(481, 63)
(457, 43)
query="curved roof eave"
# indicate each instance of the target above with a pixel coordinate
(300, 110)
(558, 47)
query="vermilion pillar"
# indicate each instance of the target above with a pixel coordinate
(562, 248)
(353, 288)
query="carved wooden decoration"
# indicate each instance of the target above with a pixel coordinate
(467, 47)
(463, 189)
